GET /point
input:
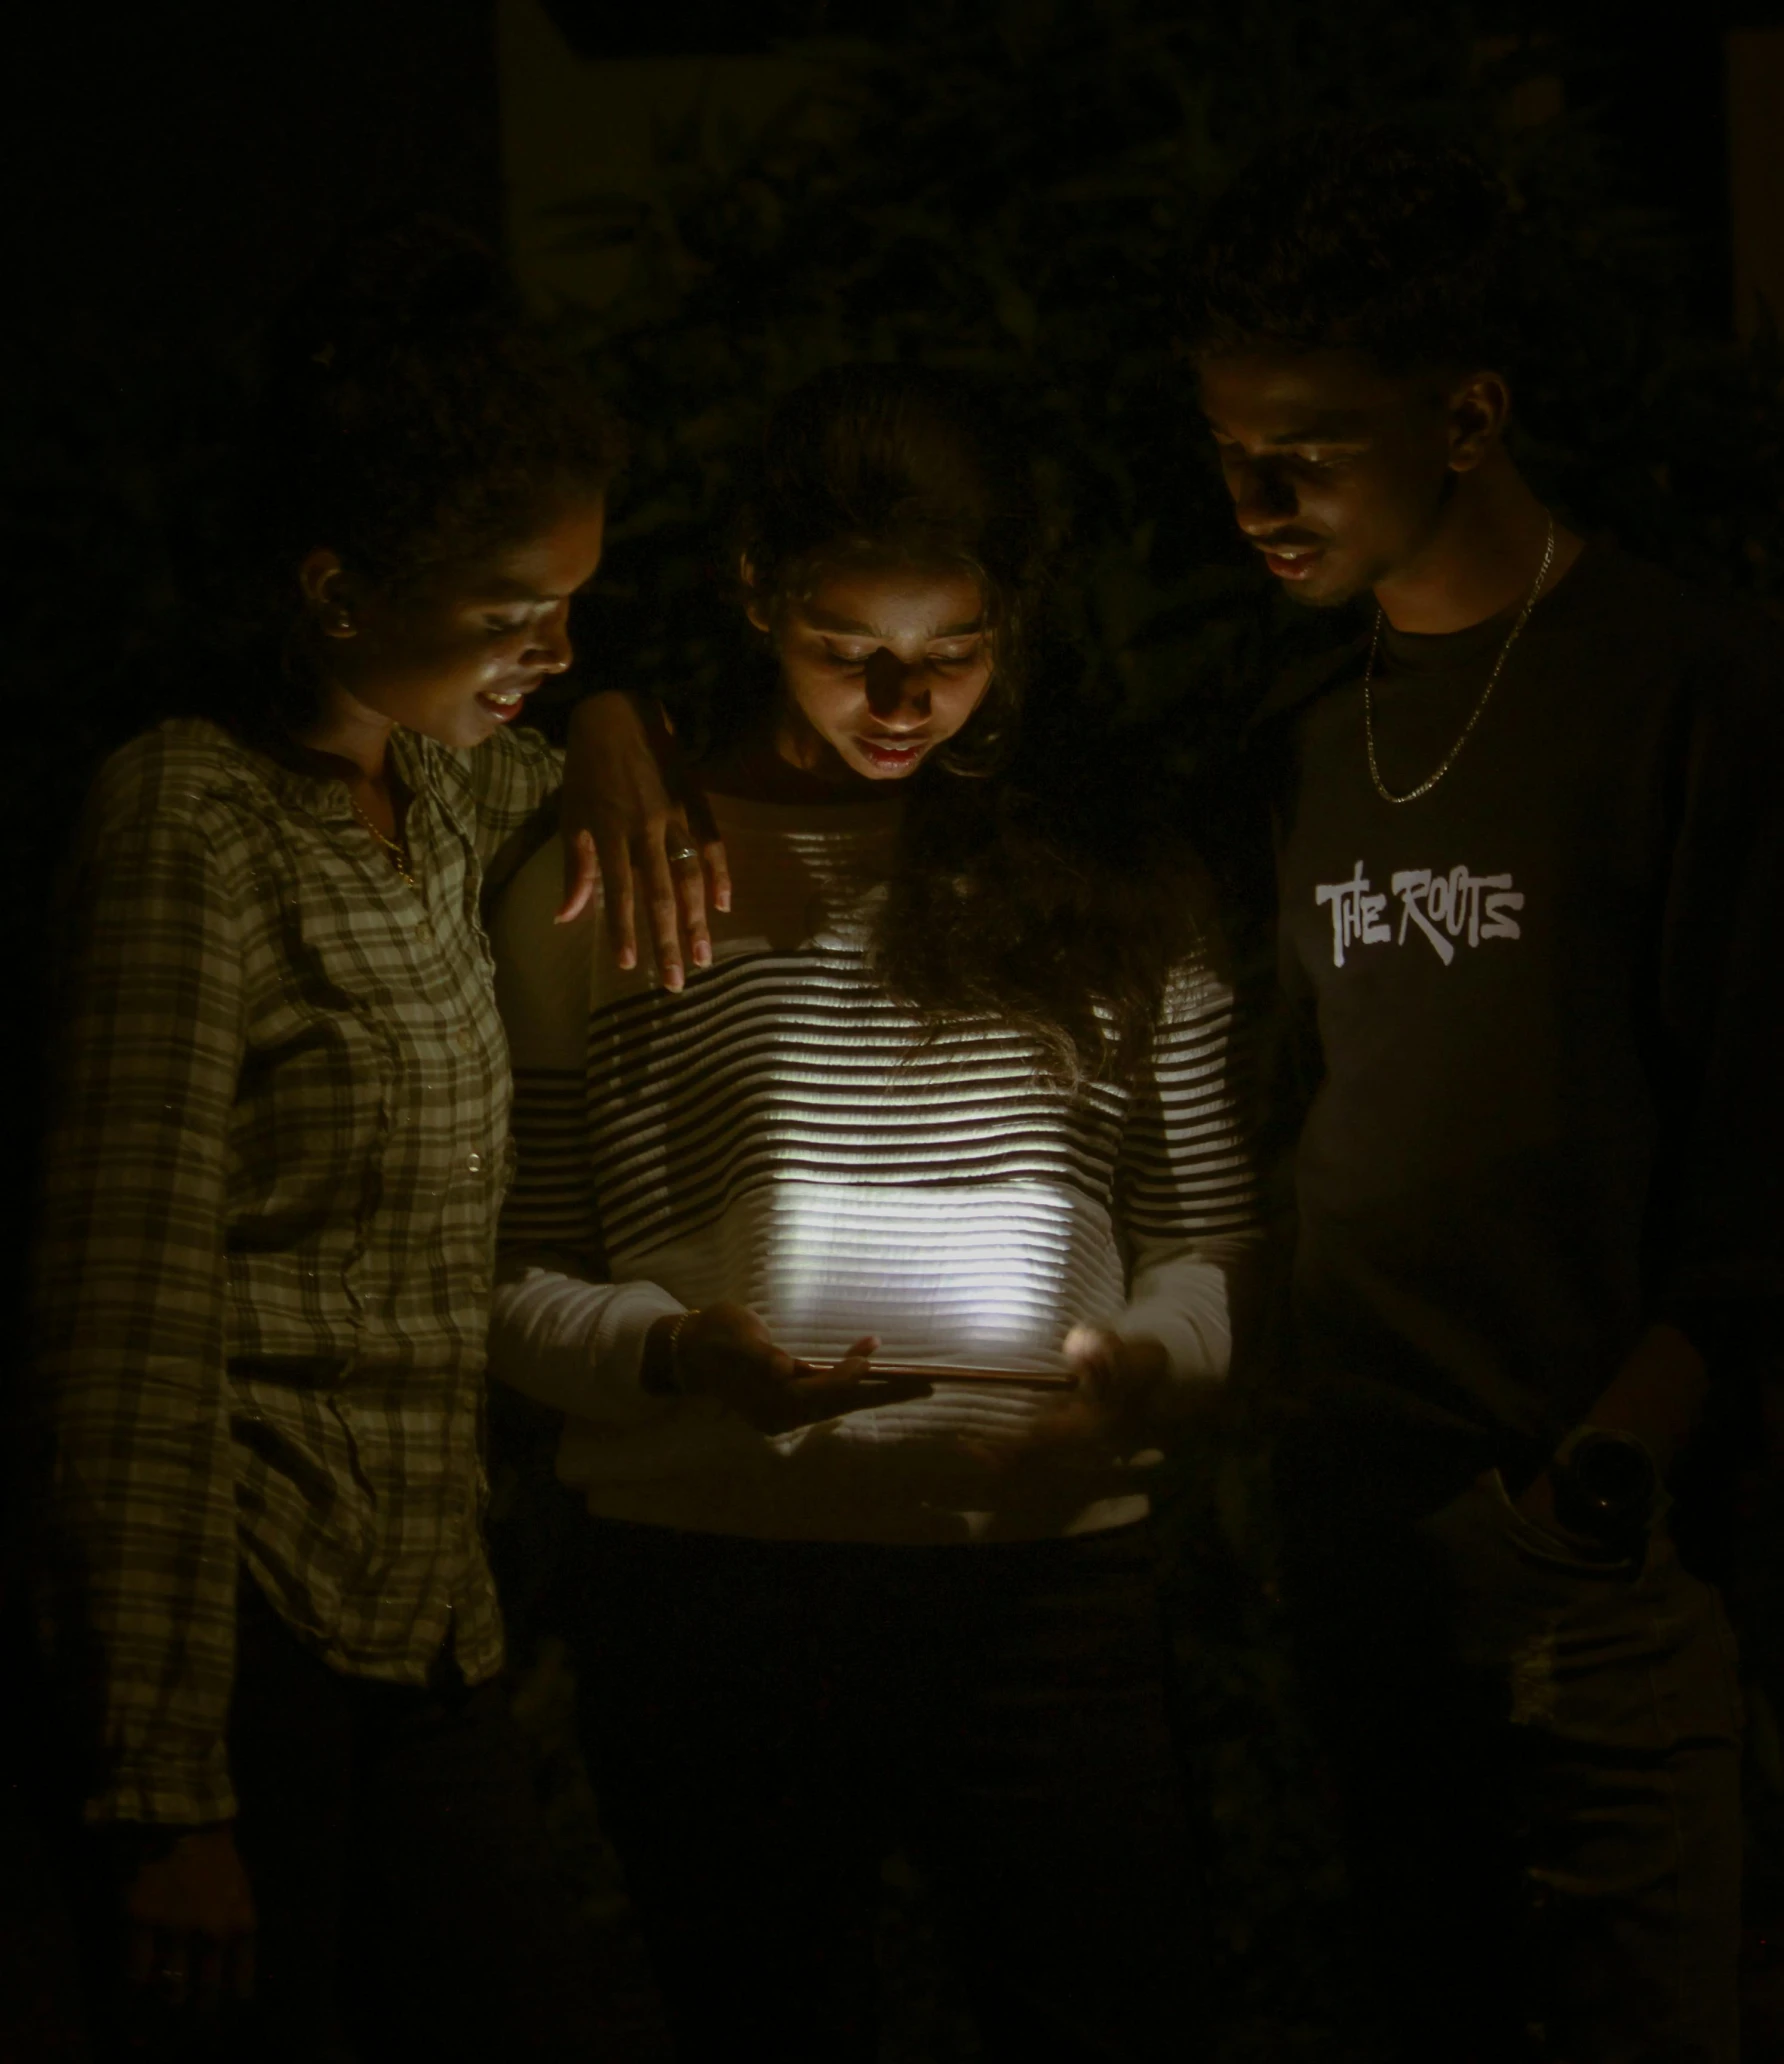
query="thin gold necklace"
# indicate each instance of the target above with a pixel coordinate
(398, 850)
(1425, 787)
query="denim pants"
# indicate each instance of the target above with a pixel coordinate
(1538, 1756)
(765, 1720)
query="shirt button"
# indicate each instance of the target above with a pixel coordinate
(465, 1039)
(474, 1162)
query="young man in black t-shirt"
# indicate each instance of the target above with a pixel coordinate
(1531, 918)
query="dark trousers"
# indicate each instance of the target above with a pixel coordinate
(764, 1721)
(408, 1903)
(1539, 1761)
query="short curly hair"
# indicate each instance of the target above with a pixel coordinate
(410, 419)
(1376, 239)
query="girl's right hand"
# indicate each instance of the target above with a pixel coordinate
(725, 1351)
(189, 1924)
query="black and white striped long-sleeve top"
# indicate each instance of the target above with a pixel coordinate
(785, 1135)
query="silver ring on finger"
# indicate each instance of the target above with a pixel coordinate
(681, 852)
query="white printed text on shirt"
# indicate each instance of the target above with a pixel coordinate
(1444, 907)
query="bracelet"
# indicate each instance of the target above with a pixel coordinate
(669, 1381)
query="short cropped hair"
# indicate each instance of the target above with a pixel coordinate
(412, 418)
(1375, 239)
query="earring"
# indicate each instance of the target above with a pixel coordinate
(340, 625)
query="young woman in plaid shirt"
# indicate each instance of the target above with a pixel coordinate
(275, 1160)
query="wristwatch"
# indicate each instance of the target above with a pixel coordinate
(1607, 1487)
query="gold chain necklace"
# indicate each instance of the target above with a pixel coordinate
(1425, 787)
(398, 850)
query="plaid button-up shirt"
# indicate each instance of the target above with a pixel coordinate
(277, 1152)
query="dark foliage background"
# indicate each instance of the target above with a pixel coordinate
(1012, 189)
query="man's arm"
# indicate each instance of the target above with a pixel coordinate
(1657, 1395)
(1719, 1298)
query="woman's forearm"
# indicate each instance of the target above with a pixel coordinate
(577, 1346)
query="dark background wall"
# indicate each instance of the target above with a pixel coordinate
(168, 167)
(171, 166)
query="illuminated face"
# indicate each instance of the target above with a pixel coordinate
(456, 659)
(879, 666)
(1338, 471)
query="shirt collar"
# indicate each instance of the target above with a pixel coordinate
(325, 796)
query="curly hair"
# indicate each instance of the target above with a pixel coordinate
(1026, 889)
(412, 421)
(1373, 238)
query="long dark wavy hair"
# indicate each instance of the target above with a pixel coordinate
(1032, 886)
(412, 420)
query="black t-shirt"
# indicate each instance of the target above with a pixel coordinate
(1544, 1000)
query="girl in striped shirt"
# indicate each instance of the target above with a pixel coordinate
(867, 1270)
